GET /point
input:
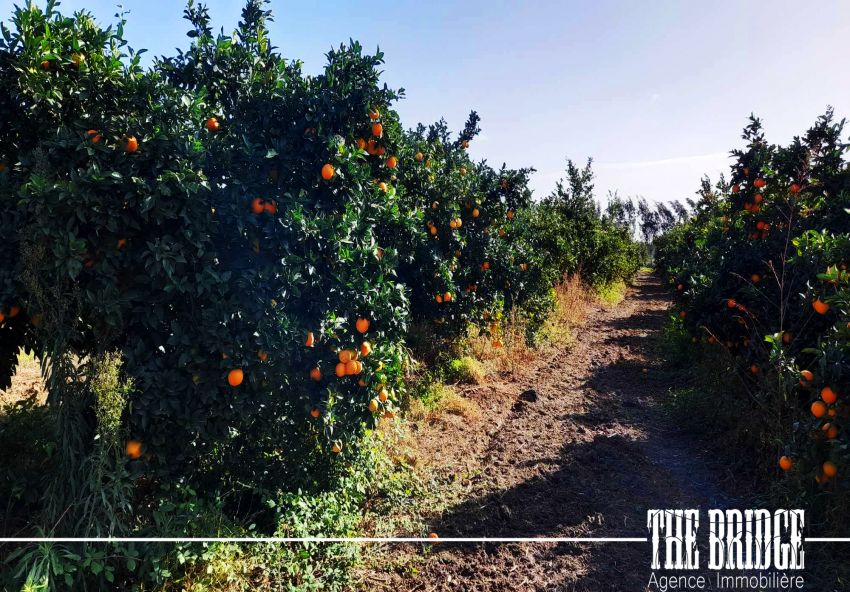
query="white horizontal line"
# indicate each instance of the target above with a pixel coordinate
(827, 540)
(322, 540)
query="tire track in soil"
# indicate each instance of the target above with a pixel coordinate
(587, 458)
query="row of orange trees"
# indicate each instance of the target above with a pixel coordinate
(240, 249)
(760, 271)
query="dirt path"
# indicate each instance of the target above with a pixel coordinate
(587, 458)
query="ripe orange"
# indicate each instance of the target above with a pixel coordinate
(13, 311)
(510, 214)
(235, 377)
(758, 198)
(122, 242)
(377, 130)
(328, 172)
(829, 469)
(831, 432)
(94, 136)
(263, 355)
(465, 143)
(828, 395)
(337, 447)
(45, 64)
(785, 463)
(362, 325)
(212, 125)
(683, 314)
(807, 375)
(315, 413)
(350, 367)
(433, 535)
(361, 143)
(755, 278)
(316, 374)
(819, 409)
(365, 348)
(383, 186)
(373, 406)
(383, 395)
(133, 449)
(346, 355)
(270, 207)
(392, 162)
(447, 297)
(795, 188)
(475, 213)
(374, 114)
(736, 188)
(731, 303)
(820, 306)
(786, 338)
(340, 370)
(372, 147)
(257, 205)
(131, 144)
(311, 340)
(759, 183)
(419, 156)
(485, 266)
(754, 369)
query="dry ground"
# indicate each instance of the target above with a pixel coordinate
(588, 457)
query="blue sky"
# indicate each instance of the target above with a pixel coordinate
(656, 92)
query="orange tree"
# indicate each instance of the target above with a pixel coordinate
(760, 271)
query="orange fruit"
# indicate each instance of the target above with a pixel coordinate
(829, 469)
(828, 395)
(419, 156)
(832, 432)
(755, 278)
(270, 207)
(820, 306)
(447, 297)
(374, 114)
(759, 183)
(731, 303)
(373, 406)
(433, 535)
(819, 409)
(122, 242)
(336, 448)
(316, 374)
(439, 298)
(94, 136)
(475, 213)
(383, 186)
(365, 348)
(377, 130)
(257, 205)
(383, 395)
(465, 143)
(13, 311)
(263, 355)
(683, 314)
(235, 377)
(754, 369)
(795, 188)
(328, 172)
(133, 449)
(372, 147)
(131, 144)
(212, 125)
(786, 338)
(510, 214)
(758, 198)
(311, 340)
(345, 356)
(45, 64)
(361, 144)
(340, 370)
(807, 375)
(785, 463)
(736, 188)
(392, 162)
(314, 412)
(351, 367)
(362, 325)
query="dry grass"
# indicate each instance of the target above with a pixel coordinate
(25, 383)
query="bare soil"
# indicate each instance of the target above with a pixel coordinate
(588, 457)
